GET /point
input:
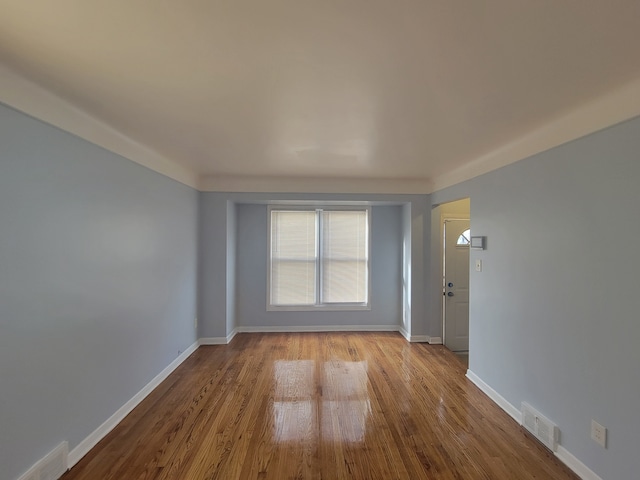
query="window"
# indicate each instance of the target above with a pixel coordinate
(464, 237)
(319, 258)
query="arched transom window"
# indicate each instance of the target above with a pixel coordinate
(464, 237)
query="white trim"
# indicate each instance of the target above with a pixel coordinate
(255, 184)
(319, 307)
(320, 328)
(496, 397)
(99, 433)
(607, 110)
(419, 338)
(319, 304)
(403, 331)
(28, 97)
(216, 340)
(233, 333)
(34, 472)
(579, 468)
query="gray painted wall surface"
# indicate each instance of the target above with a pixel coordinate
(420, 266)
(554, 314)
(97, 285)
(216, 282)
(231, 266)
(212, 265)
(386, 270)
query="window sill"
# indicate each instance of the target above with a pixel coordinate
(319, 308)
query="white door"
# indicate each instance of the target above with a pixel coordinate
(456, 285)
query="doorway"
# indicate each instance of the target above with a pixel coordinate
(455, 239)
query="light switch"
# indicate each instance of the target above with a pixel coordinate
(478, 265)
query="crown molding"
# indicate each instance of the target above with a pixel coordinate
(26, 96)
(602, 112)
(216, 183)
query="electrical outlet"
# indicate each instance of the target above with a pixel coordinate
(599, 433)
(478, 265)
(195, 322)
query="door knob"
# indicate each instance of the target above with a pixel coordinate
(450, 294)
(449, 284)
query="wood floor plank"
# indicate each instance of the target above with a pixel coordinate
(319, 406)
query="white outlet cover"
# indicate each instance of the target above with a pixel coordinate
(478, 265)
(599, 433)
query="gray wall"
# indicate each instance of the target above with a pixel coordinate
(420, 267)
(97, 285)
(220, 311)
(231, 266)
(386, 271)
(554, 317)
(215, 279)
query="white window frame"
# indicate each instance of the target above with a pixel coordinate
(319, 306)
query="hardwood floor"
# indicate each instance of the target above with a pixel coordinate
(318, 406)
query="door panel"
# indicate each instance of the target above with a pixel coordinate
(456, 282)
(462, 320)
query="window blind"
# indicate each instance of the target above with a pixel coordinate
(293, 257)
(319, 257)
(344, 256)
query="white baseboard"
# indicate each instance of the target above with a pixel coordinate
(218, 340)
(579, 468)
(233, 333)
(99, 433)
(213, 341)
(496, 397)
(320, 328)
(404, 333)
(413, 338)
(54, 464)
(419, 339)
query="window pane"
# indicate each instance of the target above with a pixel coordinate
(464, 237)
(344, 256)
(293, 257)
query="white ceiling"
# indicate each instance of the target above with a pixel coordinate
(377, 90)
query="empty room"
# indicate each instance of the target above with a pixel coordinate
(319, 240)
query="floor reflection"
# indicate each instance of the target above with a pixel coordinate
(294, 407)
(330, 403)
